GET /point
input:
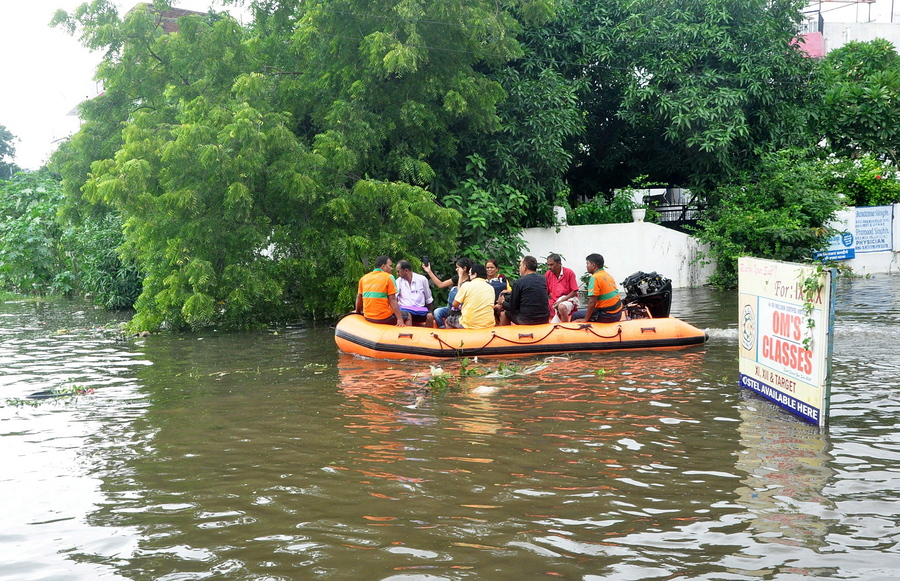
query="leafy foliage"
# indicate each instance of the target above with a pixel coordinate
(93, 249)
(860, 83)
(599, 211)
(780, 212)
(38, 255)
(256, 171)
(720, 81)
(617, 209)
(235, 216)
(689, 93)
(493, 212)
(7, 153)
(32, 259)
(866, 181)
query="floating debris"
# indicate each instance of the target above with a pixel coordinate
(66, 392)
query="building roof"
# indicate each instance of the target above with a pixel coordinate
(168, 19)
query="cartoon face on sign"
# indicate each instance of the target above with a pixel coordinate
(748, 328)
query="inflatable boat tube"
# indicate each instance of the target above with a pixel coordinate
(354, 334)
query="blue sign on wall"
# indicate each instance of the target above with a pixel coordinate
(840, 247)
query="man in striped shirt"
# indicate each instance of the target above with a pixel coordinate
(376, 299)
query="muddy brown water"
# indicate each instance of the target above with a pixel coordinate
(272, 456)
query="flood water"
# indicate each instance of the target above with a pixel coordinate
(271, 456)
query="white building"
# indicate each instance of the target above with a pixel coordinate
(831, 24)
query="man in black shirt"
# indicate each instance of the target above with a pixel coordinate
(527, 305)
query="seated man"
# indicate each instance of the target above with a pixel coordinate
(527, 304)
(604, 305)
(476, 298)
(376, 299)
(563, 288)
(414, 294)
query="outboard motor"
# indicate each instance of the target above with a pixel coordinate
(647, 293)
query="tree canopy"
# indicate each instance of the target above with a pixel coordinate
(257, 170)
(860, 85)
(231, 206)
(7, 153)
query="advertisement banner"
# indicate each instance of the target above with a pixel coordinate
(874, 231)
(785, 332)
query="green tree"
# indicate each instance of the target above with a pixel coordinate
(523, 165)
(41, 255)
(420, 89)
(860, 85)
(391, 85)
(722, 80)
(239, 205)
(32, 259)
(865, 181)
(7, 154)
(92, 247)
(780, 211)
(687, 93)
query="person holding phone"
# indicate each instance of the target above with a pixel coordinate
(457, 280)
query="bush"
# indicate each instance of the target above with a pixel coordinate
(39, 256)
(616, 210)
(599, 211)
(31, 257)
(866, 181)
(780, 212)
(94, 250)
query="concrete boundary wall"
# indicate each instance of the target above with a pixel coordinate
(626, 248)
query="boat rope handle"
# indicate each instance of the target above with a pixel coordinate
(590, 329)
(494, 335)
(553, 328)
(474, 349)
(618, 333)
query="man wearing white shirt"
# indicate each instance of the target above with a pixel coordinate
(414, 294)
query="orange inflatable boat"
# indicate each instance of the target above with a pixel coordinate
(354, 334)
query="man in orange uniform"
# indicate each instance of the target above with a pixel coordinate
(376, 299)
(604, 305)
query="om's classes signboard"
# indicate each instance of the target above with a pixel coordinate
(785, 334)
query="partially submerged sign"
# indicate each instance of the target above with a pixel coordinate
(785, 334)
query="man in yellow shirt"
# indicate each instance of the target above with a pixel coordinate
(376, 299)
(477, 300)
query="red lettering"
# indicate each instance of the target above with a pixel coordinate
(778, 324)
(788, 354)
(807, 360)
(785, 325)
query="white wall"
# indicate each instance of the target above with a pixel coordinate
(626, 248)
(874, 263)
(837, 34)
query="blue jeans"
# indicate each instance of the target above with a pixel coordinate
(441, 314)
